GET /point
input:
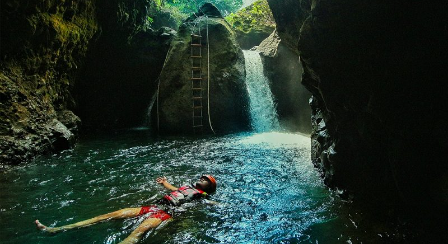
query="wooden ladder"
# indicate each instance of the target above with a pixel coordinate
(196, 81)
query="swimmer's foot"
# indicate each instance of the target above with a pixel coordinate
(42, 227)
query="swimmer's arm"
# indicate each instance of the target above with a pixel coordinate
(166, 184)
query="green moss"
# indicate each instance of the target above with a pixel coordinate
(70, 31)
(40, 68)
(257, 16)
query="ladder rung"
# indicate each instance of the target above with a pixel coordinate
(196, 45)
(198, 68)
(194, 35)
(197, 107)
(196, 57)
(197, 98)
(196, 88)
(196, 78)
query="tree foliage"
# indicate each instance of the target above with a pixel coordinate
(191, 6)
(172, 12)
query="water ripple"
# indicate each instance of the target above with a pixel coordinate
(268, 191)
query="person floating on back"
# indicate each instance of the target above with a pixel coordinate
(156, 214)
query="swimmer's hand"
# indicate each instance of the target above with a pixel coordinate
(163, 181)
(160, 180)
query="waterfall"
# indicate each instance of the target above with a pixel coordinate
(262, 108)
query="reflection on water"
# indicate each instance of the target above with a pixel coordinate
(276, 139)
(268, 191)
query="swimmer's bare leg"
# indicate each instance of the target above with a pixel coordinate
(119, 214)
(137, 234)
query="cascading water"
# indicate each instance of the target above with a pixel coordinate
(262, 107)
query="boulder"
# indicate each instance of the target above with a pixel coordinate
(228, 94)
(269, 46)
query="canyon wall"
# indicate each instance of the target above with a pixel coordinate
(63, 62)
(376, 72)
(43, 46)
(118, 82)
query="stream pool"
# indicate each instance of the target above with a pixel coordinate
(268, 190)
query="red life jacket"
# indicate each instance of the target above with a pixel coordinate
(184, 194)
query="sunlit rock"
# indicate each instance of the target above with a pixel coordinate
(284, 71)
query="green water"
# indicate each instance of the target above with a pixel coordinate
(268, 191)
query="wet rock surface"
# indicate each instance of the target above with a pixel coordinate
(228, 94)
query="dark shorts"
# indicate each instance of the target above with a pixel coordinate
(154, 212)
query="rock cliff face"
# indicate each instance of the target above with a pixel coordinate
(284, 71)
(99, 59)
(289, 16)
(375, 70)
(228, 94)
(42, 47)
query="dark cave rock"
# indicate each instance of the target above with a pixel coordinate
(375, 70)
(119, 79)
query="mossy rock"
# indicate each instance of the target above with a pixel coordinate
(252, 24)
(38, 67)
